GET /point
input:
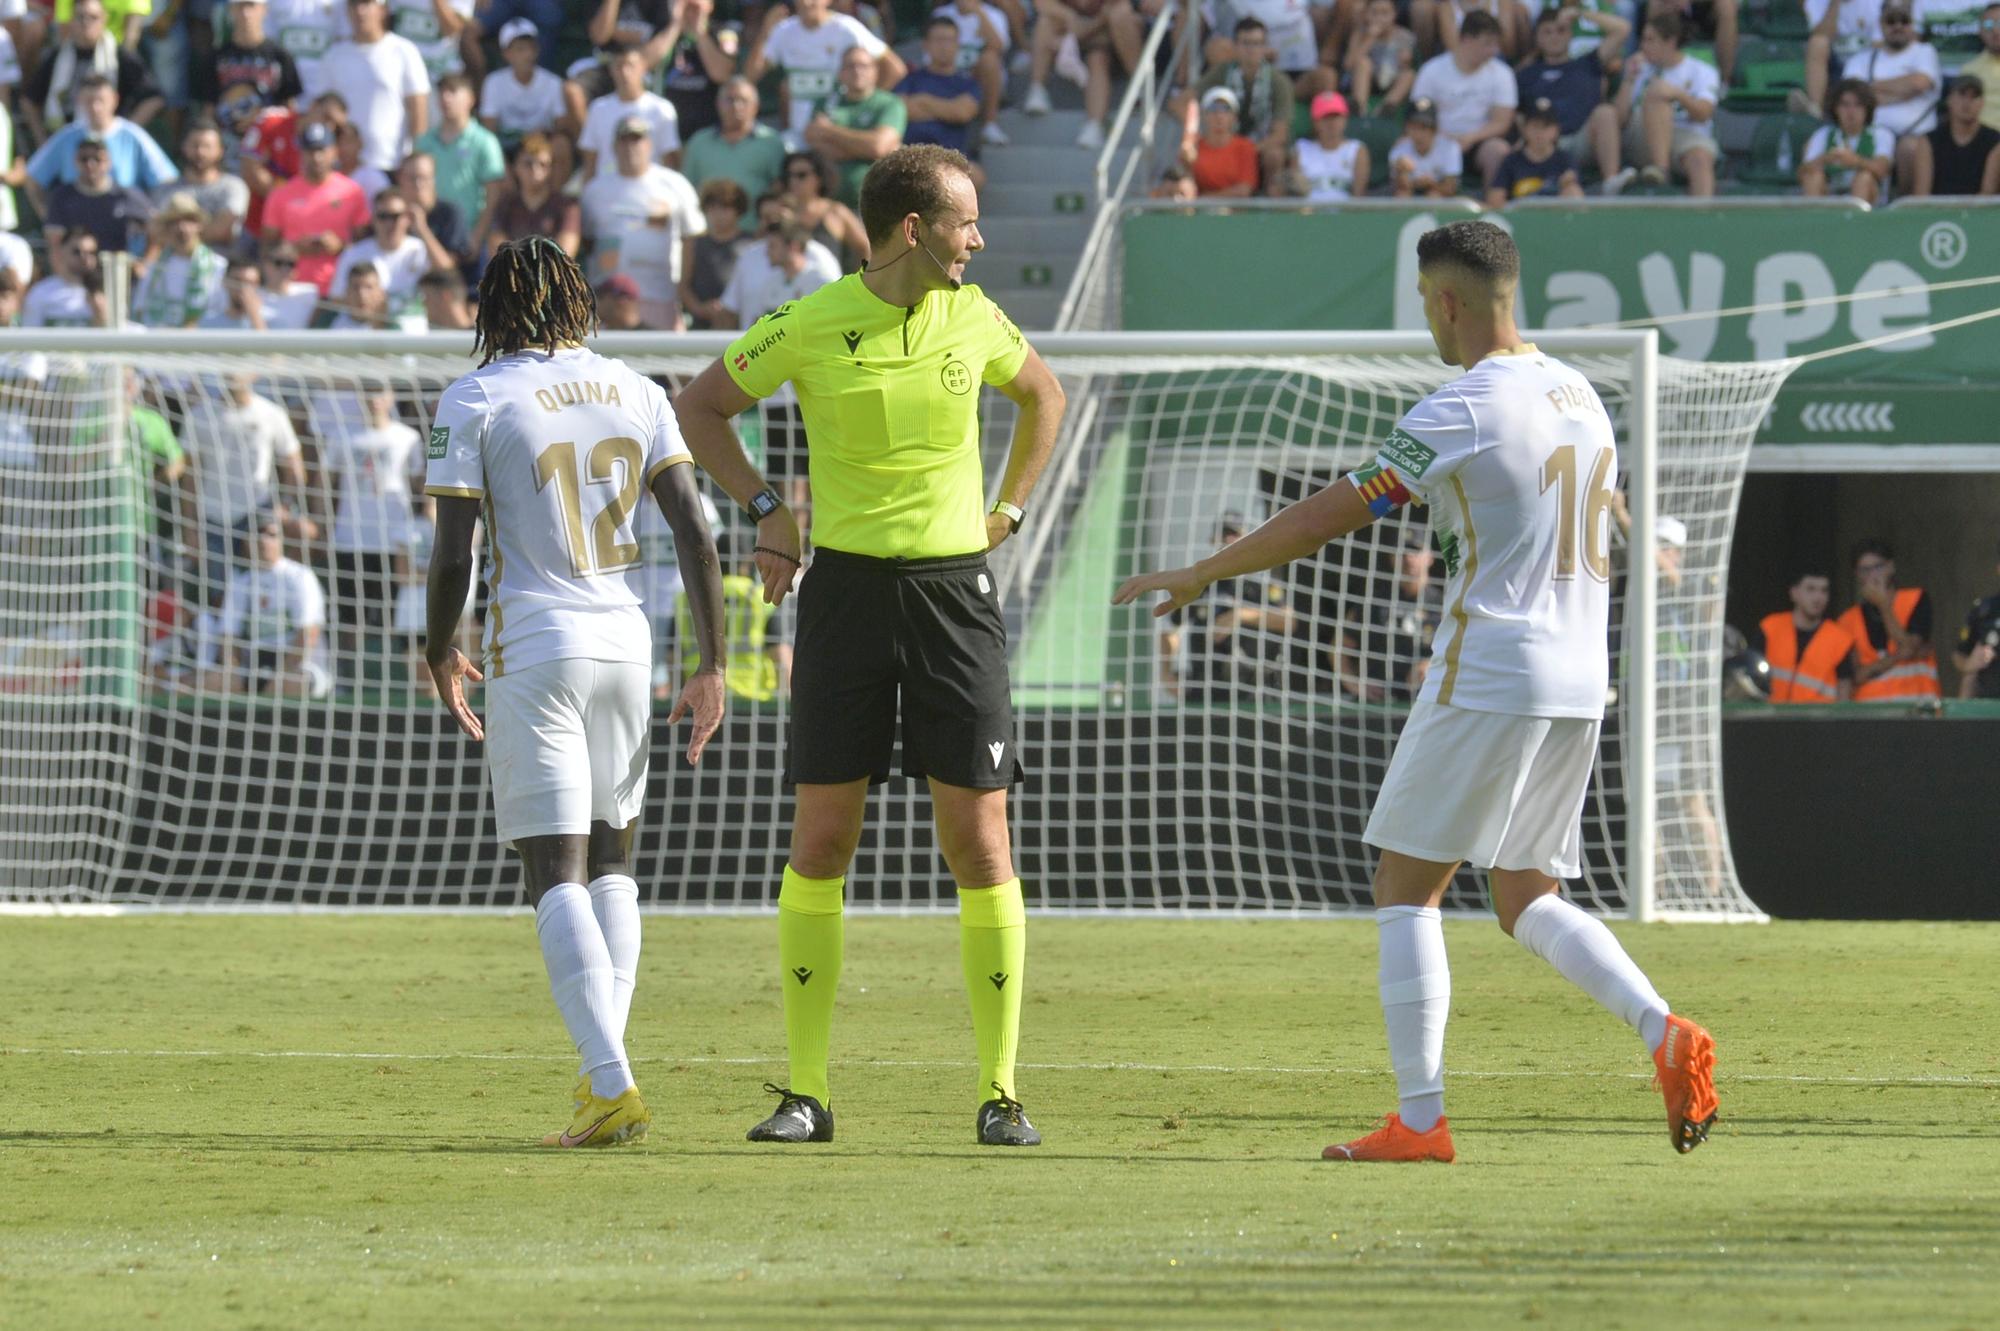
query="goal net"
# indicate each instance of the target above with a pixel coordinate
(172, 731)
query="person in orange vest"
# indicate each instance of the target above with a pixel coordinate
(1811, 657)
(1891, 628)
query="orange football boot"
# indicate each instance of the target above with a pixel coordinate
(1684, 1065)
(1393, 1141)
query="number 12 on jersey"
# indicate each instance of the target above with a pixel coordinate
(1559, 471)
(611, 548)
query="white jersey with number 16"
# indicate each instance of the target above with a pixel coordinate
(562, 449)
(1517, 462)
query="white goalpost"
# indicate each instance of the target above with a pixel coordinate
(1223, 763)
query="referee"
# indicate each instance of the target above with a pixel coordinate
(899, 613)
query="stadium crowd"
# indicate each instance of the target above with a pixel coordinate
(350, 164)
(1498, 101)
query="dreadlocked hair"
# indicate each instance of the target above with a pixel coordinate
(533, 295)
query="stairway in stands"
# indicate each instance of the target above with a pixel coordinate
(1036, 208)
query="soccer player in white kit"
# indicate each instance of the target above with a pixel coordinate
(555, 443)
(1516, 461)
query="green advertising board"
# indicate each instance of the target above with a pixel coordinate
(1737, 283)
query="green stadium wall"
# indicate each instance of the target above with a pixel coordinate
(1327, 269)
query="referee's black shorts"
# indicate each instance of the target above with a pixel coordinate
(928, 630)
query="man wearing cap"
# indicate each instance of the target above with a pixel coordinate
(1424, 163)
(618, 304)
(181, 282)
(1539, 166)
(95, 204)
(381, 77)
(1329, 166)
(1223, 162)
(1962, 155)
(1473, 91)
(134, 160)
(636, 214)
(1263, 94)
(249, 57)
(628, 100)
(546, 16)
(315, 212)
(523, 98)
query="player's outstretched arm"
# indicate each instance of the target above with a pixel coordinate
(1294, 532)
(703, 696)
(444, 597)
(704, 409)
(1039, 396)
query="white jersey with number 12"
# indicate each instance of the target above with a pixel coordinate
(1517, 462)
(562, 449)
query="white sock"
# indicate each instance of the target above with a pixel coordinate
(614, 900)
(1415, 982)
(1588, 956)
(580, 980)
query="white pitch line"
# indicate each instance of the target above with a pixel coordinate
(1229, 1069)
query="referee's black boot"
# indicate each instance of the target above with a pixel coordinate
(799, 1118)
(1002, 1122)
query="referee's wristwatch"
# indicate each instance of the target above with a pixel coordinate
(1011, 512)
(763, 504)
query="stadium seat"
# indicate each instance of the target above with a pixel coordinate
(1763, 169)
(1380, 134)
(1782, 19)
(1766, 70)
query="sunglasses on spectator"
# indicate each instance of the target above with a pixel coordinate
(1897, 20)
(284, 263)
(802, 173)
(397, 216)
(241, 106)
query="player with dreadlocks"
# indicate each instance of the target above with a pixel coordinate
(554, 442)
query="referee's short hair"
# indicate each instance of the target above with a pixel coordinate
(912, 179)
(1480, 249)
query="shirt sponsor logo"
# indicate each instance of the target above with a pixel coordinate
(1406, 452)
(852, 337)
(440, 442)
(748, 354)
(956, 378)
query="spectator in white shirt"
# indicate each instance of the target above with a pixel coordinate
(236, 453)
(381, 77)
(72, 295)
(523, 98)
(1424, 163)
(398, 255)
(1475, 94)
(1665, 115)
(808, 45)
(273, 617)
(627, 99)
(636, 216)
(373, 523)
(1841, 29)
(182, 282)
(1905, 77)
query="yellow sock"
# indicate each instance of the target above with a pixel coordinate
(810, 932)
(993, 945)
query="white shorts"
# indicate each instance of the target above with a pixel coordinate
(1495, 790)
(566, 745)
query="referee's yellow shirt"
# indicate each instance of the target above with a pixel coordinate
(890, 399)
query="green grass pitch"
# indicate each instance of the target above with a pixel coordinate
(330, 1121)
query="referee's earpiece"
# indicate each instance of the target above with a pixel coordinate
(942, 267)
